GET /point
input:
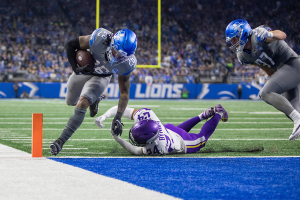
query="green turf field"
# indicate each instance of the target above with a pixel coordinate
(254, 128)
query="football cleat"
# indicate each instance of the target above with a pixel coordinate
(56, 146)
(207, 114)
(224, 114)
(94, 107)
(296, 132)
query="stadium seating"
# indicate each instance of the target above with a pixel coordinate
(33, 34)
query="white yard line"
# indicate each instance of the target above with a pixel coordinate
(102, 129)
(73, 148)
(14, 139)
(185, 118)
(29, 123)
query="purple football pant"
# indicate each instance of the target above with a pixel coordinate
(194, 142)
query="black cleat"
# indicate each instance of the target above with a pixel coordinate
(94, 107)
(56, 146)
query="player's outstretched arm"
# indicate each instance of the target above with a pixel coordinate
(129, 147)
(72, 45)
(128, 113)
(124, 85)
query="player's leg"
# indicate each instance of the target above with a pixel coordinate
(194, 142)
(285, 79)
(189, 124)
(293, 96)
(91, 91)
(207, 130)
(74, 88)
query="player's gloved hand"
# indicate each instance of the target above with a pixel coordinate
(99, 120)
(262, 33)
(84, 70)
(108, 40)
(116, 125)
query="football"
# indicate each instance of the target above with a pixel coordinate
(83, 58)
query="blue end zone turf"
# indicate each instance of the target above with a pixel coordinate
(203, 178)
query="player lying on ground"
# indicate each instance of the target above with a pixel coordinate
(113, 53)
(268, 50)
(149, 136)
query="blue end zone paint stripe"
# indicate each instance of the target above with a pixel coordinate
(204, 178)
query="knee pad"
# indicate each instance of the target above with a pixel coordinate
(263, 95)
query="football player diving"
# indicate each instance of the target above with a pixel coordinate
(113, 53)
(267, 49)
(148, 136)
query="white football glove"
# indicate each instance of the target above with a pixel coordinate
(262, 33)
(99, 120)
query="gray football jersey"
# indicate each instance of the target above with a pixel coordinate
(102, 65)
(273, 54)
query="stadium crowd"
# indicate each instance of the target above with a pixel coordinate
(33, 34)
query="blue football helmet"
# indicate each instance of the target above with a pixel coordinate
(123, 44)
(237, 32)
(143, 132)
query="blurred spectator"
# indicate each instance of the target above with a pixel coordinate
(33, 34)
(16, 89)
(148, 79)
(25, 95)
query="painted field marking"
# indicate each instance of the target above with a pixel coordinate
(185, 118)
(127, 139)
(98, 129)
(265, 113)
(44, 145)
(28, 123)
(99, 153)
(72, 148)
(188, 108)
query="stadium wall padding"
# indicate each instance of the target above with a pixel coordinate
(138, 91)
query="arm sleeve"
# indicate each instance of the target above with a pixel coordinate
(113, 111)
(129, 147)
(71, 47)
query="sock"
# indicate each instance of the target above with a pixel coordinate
(74, 122)
(189, 124)
(201, 118)
(209, 127)
(221, 114)
(295, 116)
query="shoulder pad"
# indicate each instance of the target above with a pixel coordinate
(265, 27)
(96, 33)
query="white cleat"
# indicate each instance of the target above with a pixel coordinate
(99, 120)
(296, 132)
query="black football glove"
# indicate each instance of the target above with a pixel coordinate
(108, 40)
(84, 70)
(116, 125)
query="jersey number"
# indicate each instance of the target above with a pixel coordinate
(101, 70)
(260, 62)
(155, 150)
(140, 117)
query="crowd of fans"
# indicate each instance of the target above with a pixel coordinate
(193, 49)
